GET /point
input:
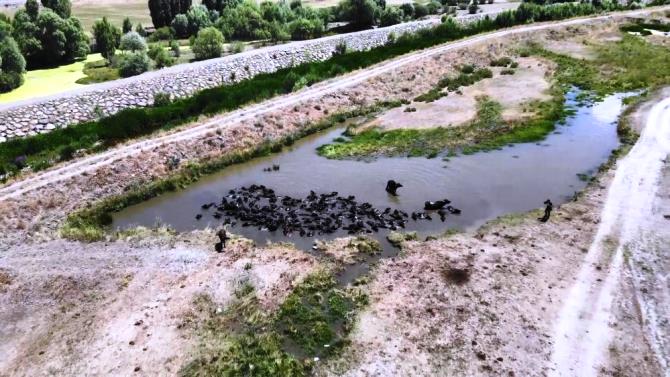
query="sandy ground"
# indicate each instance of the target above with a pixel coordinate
(107, 309)
(70, 309)
(530, 82)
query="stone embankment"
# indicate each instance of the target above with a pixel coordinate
(42, 115)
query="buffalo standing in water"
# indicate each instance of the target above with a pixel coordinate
(392, 186)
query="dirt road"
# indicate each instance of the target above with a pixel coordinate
(91, 163)
(626, 230)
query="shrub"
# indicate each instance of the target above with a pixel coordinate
(474, 6)
(134, 64)
(420, 10)
(162, 34)
(198, 18)
(162, 99)
(140, 30)
(12, 65)
(208, 44)
(391, 16)
(180, 25)
(237, 47)
(176, 51)
(340, 49)
(127, 26)
(162, 59)
(407, 10)
(154, 50)
(132, 41)
(433, 7)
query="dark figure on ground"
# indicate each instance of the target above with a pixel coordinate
(223, 237)
(392, 186)
(547, 210)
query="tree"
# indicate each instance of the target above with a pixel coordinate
(134, 64)
(164, 11)
(107, 37)
(304, 28)
(127, 25)
(62, 8)
(132, 41)
(48, 39)
(32, 8)
(208, 44)
(12, 64)
(391, 16)
(198, 18)
(472, 9)
(407, 10)
(420, 10)
(220, 5)
(140, 30)
(180, 25)
(362, 13)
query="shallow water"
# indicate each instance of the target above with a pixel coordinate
(484, 186)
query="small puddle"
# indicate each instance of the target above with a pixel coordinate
(484, 186)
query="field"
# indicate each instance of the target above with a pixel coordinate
(43, 82)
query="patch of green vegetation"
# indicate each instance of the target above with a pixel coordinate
(314, 316)
(629, 64)
(313, 320)
(501, 62)
(481, 133)
(468, 76)
(397, 238)
(365, 245)
(98, 71)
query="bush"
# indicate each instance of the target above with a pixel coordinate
(140, 30)
(10, 81)
(420, 10)
(12, 65)
(407, 10)
(162, 59)
(176, 51)
(127, 26)
(340, 49)
(198, 18)
(391, 16)
(133, 64)
(474, 7)
(162, 99)
(154, 50)
(132, 42)
(162, 34)
(433, 7)
(180, 25)
(237, 47)
(208, 44)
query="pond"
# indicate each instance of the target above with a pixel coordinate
(483, 186)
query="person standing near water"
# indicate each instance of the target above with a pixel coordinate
(223, 237)
(547, 210)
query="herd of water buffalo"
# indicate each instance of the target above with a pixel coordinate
(259, 206)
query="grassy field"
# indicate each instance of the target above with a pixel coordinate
(42, 82)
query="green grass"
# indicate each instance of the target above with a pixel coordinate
(98, 71)
(44, 82)
(313, 321)
(487, 131)
(468, 76)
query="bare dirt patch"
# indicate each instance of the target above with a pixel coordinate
(105, 309)
(530, 82)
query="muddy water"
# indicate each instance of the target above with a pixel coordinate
(484, 186)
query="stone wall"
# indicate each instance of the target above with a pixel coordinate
(45, 114)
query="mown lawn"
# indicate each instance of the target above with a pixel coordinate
(43, 82)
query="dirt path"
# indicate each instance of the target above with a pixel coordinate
(583, 329)
(91, 163)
